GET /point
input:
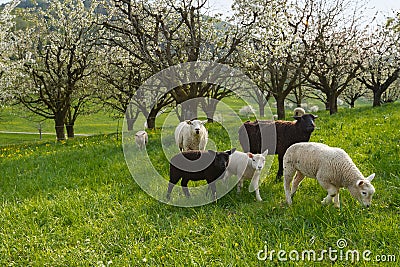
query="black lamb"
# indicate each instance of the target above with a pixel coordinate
(195, 165)
(285, 134)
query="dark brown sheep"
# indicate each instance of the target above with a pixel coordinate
(195, 165)
(283, 134)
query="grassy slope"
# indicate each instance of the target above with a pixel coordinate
(75, 203)
(16, 119)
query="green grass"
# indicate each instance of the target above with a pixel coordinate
(17, 119)
(75, 203)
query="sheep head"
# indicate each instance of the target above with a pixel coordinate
(257, 160)
(364, 190)
(306, 122)
(196, 125)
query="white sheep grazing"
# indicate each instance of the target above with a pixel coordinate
(191, 135)
(298, 112)
(333, 169)
(141, 139)
(246, 166)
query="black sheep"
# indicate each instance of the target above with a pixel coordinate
(195, 165)
(283, 134)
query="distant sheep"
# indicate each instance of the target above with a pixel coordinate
(314, 109)
(246, 166)
(298, 112)
(333, 169)
(195, 166)
(191, 135)
(247, 111)
(286, 133)
(141, 139)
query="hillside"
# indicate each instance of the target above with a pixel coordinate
(75, 203)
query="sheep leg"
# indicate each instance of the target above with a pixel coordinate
(296, 182)
(255, 183)
(211, 185)
(332, 194)
(185, 188)
(240, 185)
(170, 187)
(336, 200)
(280, 169)
(288, 177)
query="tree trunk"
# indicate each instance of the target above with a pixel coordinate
(261, 109)
(70, 130)
(352, 103)
(129, 123)
(377, 98)
(280, 105)
(151, 119)
(209, 107)
(333, 108)
(189, 109)
(131, 115)
(59, 126)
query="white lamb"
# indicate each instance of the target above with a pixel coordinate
(246, 166)
(333, 169)
(191, 135)
(141, 139)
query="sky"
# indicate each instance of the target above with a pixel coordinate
(385, 7)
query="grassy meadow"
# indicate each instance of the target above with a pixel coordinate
(75, 203)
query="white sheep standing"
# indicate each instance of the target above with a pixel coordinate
(191, 135)
(298, 112)
(246, 166)
(141, 139)
(331, 166)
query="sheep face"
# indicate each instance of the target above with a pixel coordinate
(364, 190)
(257, 160)
(141, 139)
(195, 125)
(306, 122)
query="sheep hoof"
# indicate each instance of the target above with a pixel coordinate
(325, 201)
(259, 199)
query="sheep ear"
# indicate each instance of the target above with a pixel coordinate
(360, 182)
(314, 116)
(371, 177)
(204, 122)
(250, 155)
(230, 152)
(265, 153)
(188, 122)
